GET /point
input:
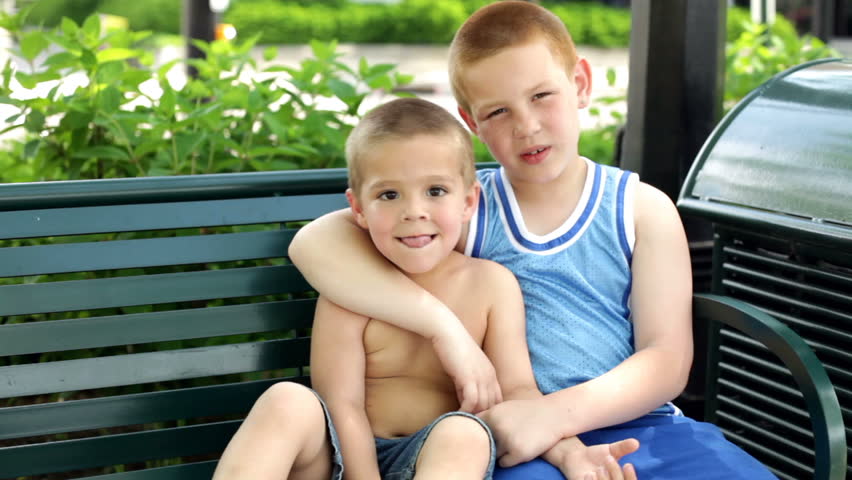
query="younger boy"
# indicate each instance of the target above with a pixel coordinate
(395, 411)
(601, 259)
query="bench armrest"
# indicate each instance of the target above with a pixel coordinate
(799, 358)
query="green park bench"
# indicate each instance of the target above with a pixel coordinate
(140, 319)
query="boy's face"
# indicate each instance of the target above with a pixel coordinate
(524, 107)
(413, 200)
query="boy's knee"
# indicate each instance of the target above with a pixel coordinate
(286, 401)
(462, 433)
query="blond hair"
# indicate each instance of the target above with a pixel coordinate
(501, 25)
(401, 119)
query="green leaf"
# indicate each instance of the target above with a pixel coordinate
(324, 51)
(90, 61)
(111, 54)
(109, 99)
(403, 79)
(269, 53)
(341, 89)
(110, 72)
(61, 60)
(26, 80)
(380, 69)
(168, 101)
(34, 122)
(32, 44)
(92, 28)
(610, 76)
(32, 147)
(275, 126)
(69, 27)
(106, 152)
(188, 143)
(74, 119)
(7, 72)
(131, 79)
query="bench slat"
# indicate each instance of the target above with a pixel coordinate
(149, 289)
(74, 334)
(189, 471)
(133, 369)
(115, 449)
(148, 252)
(161, 216)
(133, 409)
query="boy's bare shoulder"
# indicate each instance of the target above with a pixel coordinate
(651, 203)
(487, 273)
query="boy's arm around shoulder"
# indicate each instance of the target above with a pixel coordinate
(338, 258)
(338, 369)
(661, 306)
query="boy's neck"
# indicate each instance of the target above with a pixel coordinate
(438, 273)
(546, 206)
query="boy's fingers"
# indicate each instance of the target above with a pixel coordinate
(613, 469)
(623, 447)
(468, 398)
(629, 472)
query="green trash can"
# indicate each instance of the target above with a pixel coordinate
(775, 179)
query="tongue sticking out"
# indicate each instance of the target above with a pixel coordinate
(416, 241)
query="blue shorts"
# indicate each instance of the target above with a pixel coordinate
(398, 456)
(671, 448)
(334, 441)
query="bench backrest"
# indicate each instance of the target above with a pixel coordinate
(141, 318)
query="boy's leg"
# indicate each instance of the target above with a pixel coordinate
(535, 469)
(284, 436)
(674, 447)
(456, 447)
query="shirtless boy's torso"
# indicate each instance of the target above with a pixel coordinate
(406, 387)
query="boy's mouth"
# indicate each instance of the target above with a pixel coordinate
(417, 241)
(535, 155)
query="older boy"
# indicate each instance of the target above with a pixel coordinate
(395, 411)
(601, 259)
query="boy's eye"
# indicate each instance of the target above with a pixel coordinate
(540, 95)
(388, 195)
(496, 112)
(437, 191)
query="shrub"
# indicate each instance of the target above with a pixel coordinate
(231, 118)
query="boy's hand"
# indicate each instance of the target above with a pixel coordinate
(522, 429)
(599, 462)
(472, 373)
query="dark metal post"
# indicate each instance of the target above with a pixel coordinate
(823, 19)
(674, 101)
(199, 22)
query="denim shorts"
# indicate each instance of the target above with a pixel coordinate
(336, 455)
(398, 456)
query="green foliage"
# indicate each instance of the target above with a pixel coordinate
(50, 12)
(162, 16)
(591, 23)
(760, 52)
(409, 21)
(122, 117)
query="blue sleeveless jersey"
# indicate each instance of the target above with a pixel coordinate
(576, 280)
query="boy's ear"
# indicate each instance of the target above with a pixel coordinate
(468, 119)
(583, 81)
(471, 201)
(357, 210)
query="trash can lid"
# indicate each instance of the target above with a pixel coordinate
(784, 150)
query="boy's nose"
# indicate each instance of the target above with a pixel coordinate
(526, 125)
(415, 210)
